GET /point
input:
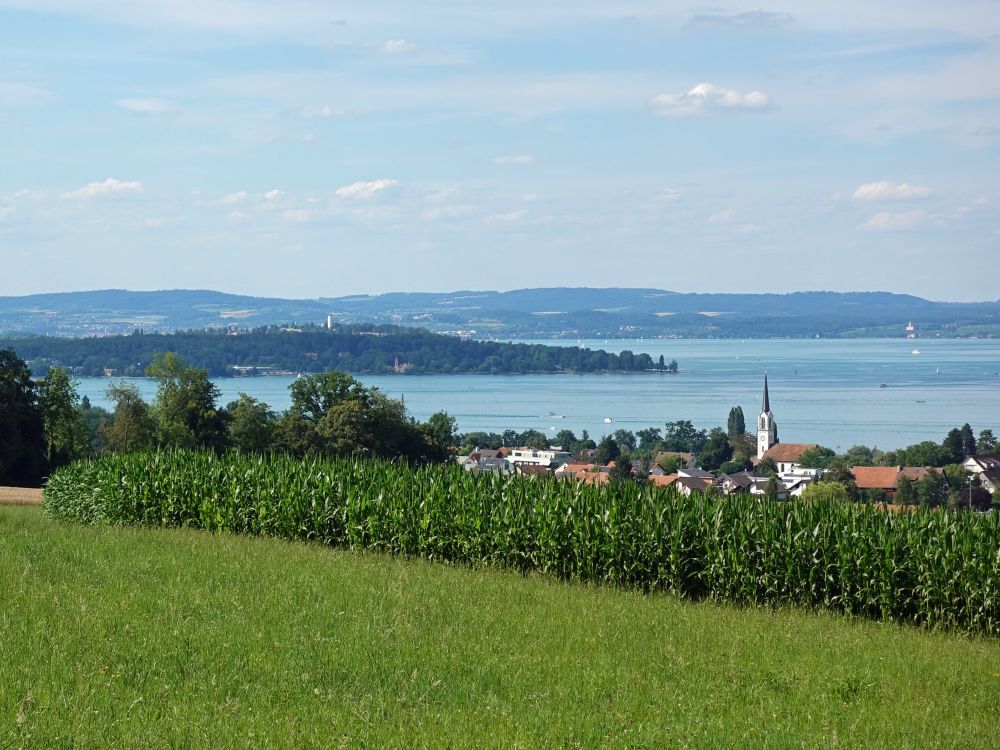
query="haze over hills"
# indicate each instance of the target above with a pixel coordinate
(524, 313)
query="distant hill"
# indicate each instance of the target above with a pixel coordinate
(523, 313)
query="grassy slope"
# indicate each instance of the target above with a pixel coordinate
(161, 638)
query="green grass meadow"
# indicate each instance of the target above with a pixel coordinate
(172, 638)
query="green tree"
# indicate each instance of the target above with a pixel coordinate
(859, 455)
(22, 433)
(931, 490)
(649, 438)
(131, 427)
(607, 451)
(566, 439)
(736, 425)
(771, 489)
(767, 467)
(968, 441)
(816, 458)
(682, 436)
(621, 471)
(534, 439)
(906, 491)
(442, 430)
(185, 407)
(716, 450)
(671, 464)
(738, 463)
(251, 425)
(625, 439)
(66, 435)
(826, 492)
(987, 443)
(954, 445)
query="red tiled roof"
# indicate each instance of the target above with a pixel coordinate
(885, 477)
(664, 480)
(788, 452)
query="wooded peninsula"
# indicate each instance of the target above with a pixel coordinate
(361, 349)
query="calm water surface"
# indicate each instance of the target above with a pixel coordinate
(824, 391)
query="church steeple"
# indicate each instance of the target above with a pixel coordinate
(767, 428)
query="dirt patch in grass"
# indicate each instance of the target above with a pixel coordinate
(20, 496)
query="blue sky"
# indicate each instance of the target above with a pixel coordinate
(308, 148)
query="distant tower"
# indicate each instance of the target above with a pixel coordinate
(767, 428)
(911, 332)
(329, 322)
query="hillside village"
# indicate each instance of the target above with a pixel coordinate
(777, 471)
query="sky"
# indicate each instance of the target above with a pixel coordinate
(314, 148)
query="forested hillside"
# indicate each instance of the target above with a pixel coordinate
(355, 349)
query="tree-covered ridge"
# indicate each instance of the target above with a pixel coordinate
(311, 349)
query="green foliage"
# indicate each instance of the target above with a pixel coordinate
(22, 433)
(682, 436)
(767, 467)
(935, 568)
(817, 458)
(738, 463)
(670, 464)
(131, 427)
(607, 451)
(826, 492)
(67, 437)
(716, 450)
(987, 443)
(649, 438)
(906, 491)
(736, 425)
(626, 440)
(357, 349)
(251, 425)
(954, 444)
(441, 430)
(185, 407)
(968, 441)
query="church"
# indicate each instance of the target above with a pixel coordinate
(784, 455)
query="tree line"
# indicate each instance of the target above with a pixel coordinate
(45, 424)
(313, 349)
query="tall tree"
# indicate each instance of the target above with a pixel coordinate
(251, 425)
(906, 491)
(131, 427)
(954, 445)
(716, 451)
(987, 443)
(22, 434)
(625, 439)
(968, 441)
(185, 407)
(67, 437)
(607, 451)
(736, 424)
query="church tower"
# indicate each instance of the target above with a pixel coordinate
(767, 428)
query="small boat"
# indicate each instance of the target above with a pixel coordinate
(883, 385)
(915, 351)
(608, 420)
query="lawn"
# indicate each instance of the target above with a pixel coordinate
(176, 638)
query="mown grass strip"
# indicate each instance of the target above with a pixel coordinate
(936, 569)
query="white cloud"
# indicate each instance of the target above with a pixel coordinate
(670, 194)
(706, 99)
(234, 198)
(397, 47)
(752, 19)
(515, 160)
(887, 191)
(364, 189)
(722, 217)
(890, 222)
(149, 107)
(273, 195)
(6, 211)
(108, 187)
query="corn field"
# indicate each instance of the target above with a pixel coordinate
(929, 568)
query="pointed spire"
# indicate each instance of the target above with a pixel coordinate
(767, 402)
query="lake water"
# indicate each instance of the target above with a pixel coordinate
(823, 391)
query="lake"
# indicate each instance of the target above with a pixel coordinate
(822, 390)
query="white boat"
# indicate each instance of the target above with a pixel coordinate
(608, 420)
(915, 351)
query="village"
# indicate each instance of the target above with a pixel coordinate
(777, 469)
